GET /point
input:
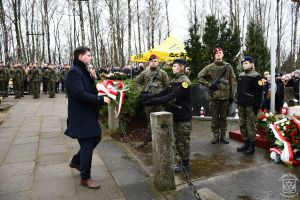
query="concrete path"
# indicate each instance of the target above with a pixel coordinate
(34, 158)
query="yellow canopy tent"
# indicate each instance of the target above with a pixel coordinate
(168, 50)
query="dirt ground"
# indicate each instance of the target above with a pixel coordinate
(136, 130)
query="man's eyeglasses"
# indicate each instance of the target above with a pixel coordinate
(154, 61)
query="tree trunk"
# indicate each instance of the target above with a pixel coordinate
(279, 21)
(33, 48)
(120, 57)
(129, 27)
(139, 26)
(20, 34)
(91, 29)
(42, 55)
(16, 24)
(113, 51)
(296, 17)
(5, 33)
(152, 22)
(46, 24)
(167, 17)
(81, 23)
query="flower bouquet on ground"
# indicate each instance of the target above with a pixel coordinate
(265, 118)
(287, 144)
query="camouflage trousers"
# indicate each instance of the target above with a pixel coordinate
(17, 88)
(6, 88)
(51, 88)
(35, 86)
(247, 122)
(219, 109)
(182, 134)
(148, 110)
(2, 88)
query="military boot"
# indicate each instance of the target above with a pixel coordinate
(223, 138)
(215, 139)
(244, 147)
(251, 148)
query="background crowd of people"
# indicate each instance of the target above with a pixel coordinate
(282, 80)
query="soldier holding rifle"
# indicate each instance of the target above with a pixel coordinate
(219, 77)
(152, 80)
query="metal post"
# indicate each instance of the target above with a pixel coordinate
(273, 55)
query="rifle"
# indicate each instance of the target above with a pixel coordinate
(215, 84)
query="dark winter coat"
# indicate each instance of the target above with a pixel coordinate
(83, 101)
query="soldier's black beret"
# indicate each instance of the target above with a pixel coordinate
(180, 61)
(247, 58)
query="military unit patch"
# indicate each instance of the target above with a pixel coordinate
(260, 83)
(185, 85)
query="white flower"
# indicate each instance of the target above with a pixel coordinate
(267, 115)
(265, 119)
(282, 124)
(284, 128)
(271, 114)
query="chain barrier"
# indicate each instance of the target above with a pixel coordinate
(186, 175)
(122, 127)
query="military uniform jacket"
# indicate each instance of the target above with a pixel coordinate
(249, 89)
(35, 74)
(6, 69)
(159, 83)
(176, 97)
(17, 74)
(50, 75)
(2, 74)
(63, 74)
(210, 73)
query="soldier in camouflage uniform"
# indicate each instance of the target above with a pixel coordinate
(35, 79)
(249, 96)
(2, 79)
(50, 76)
(6, 68)
(177, 98)
(222, 92)
(29, 80)
(63, 76)
(158, 83)
(17, 76)
(24, 79)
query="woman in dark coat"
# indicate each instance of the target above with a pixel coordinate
(82, 122)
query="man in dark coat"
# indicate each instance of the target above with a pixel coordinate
(82, 122)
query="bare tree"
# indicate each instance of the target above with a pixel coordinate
(167, 17)
(138, 25)
(279, 34)
(91, 23)
(15, 4)
(81, 22)
(46, 26)
(294, 36)
(5, 32)
(129, 21)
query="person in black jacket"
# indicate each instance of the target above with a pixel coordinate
(177, 100)
(82, 122)
(249, 95)
(279, 94)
